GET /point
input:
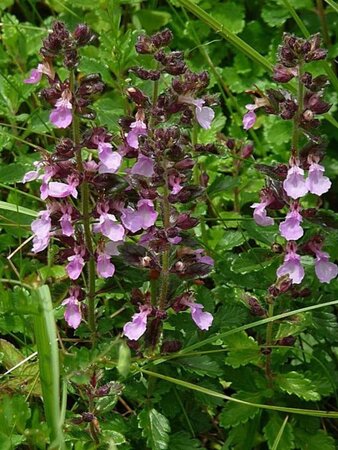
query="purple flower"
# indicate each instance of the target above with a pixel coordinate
(174, 183)
(57, 189)
(316, 182)
(30, 176)
(104, 267)
(41, 228)
(138, 325)
(72, 314)
(108, 225)
(66, 220)
(290, 229)
(144, 217)
(76, 264)
(325, 270)
(61, 116)
(202, 319)
(204, 114)
(144, 166)
(292, 265)
(137, 128)
(249, 119)
(36, 74)
(204, 259)
(110, 161)
(260, 214)
(294, 184)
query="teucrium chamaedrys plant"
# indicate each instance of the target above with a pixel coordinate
(92, 212)
(307, 150)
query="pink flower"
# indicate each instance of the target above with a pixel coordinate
(316, 182)
(174, 183)
(204, 114)
(144, 217)
(30, 176)
(249, 119)
(138, 325)
(57, 189)
(111, 248)
(137, 128)
(260, 214)
(66, 220)
(294, 184)
(41, 228)
(72, 314)
(202, 258)
(202, 319)
(290, 229)
(104, 267)
(110, 161)
(144, 166)
(36, 74)
(325, 270)
(292, 265)
(76, 264)
(61, 116)
(108, 225)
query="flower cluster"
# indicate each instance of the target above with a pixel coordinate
(289, 184)
(91, 210)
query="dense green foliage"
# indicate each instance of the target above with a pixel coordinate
(216, 392)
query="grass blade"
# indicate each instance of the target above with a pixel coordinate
(48, 354)
(280, 434)
(17, 209)
(195, 387)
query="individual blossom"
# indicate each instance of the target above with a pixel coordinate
(108, 225)
(72, 313)
(32, 175)
(201, 318)
(61, 116)
(137, 128)
(58, 189)
(144, 166)
(142, 218)
(325, 270)
(260, 214)
(36, 74)
(290, 228)
(41, 228)
(76, 263)
(138, 325)
(292, 265)
(294, 184)
(204, 114)
(174, 183)
(202, 258)
(104, 267)
(110, 161)
(249, 119)
(66, 220)
(316, 182)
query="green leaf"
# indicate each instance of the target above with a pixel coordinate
(319, 441)
(11, 356)
(272, 430)
(253, 260)
(12, 173)
(17, 209)
(243, 350)
(236, 413)
(155, 428)
(14, 413)
(230, 240)
(152, 20)
(230, 15)
(295, 383)
(183, 441)
(201, 365)
(294, 327)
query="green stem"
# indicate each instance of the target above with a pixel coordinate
(323, 22)
(86, 217)
(298, 115)
(268, 342)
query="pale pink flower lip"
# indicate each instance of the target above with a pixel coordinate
(137, 128)
(316, 182)
(325, 270)
(292, 266)
(61, 116)
(41, 228)
(290, 228)
(104, 267)
(260, 214)
(110, 161)
(109, 227)
(249, 119)
(201, 318)
(138, 325)
(294, 184)
(72, 313)
(144, 166)
(75, 265)
(144, 217)
(204, 114)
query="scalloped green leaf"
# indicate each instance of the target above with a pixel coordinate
(155, 428)
(295, 383)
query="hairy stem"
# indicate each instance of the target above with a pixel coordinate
(86, 221)
(298, 115)
(268, 342)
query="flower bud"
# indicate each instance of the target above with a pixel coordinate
(171, 346)
(282, 74)
(83, 35)
(162, 38)
(144, 74)
(144, 45)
